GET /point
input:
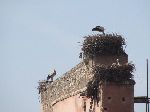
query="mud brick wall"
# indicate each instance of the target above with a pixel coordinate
(71, 83)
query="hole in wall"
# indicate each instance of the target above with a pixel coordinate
(123, 99)
(105, 108)
(109, 98)
(84, 106)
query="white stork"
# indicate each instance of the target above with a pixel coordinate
(51, 76)
(118, 62)
(99, 28)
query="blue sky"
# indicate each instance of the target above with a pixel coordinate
(37, 36)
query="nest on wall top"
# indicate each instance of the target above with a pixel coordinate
(118, 74)
(113, 73)
(103, 44)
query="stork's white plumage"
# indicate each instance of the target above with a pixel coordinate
(113, 64)
(118, 62)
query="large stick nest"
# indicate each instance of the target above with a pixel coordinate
(118, 74)
(100, 44)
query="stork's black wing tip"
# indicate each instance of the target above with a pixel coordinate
(93, 29)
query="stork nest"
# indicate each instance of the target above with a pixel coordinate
(115, 74)
(101, 44)
(42, 87)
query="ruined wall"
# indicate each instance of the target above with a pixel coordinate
(70, 84)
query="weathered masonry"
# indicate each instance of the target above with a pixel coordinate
(102, 82)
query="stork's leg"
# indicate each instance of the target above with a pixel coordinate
(52, 79)
(103, 33)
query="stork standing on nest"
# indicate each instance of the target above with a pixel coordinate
(99, 29)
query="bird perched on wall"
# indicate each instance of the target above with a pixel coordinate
(118, 62)
(50, 76)
(99, 29)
